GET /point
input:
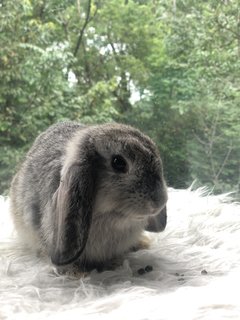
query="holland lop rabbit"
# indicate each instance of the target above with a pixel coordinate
(85, 194)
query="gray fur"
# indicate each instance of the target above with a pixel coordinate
(67, 201)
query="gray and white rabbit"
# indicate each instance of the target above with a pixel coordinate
(85, 194)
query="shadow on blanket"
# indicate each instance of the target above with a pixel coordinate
(196, 271)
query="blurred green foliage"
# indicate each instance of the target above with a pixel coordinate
(171, 68)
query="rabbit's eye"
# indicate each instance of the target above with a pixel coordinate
(119, 164)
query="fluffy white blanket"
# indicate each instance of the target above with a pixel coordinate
(196, 271)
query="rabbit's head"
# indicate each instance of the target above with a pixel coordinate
(112, 170)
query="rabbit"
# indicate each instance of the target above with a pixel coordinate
(84, 194)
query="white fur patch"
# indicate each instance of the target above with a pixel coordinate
(196, 271)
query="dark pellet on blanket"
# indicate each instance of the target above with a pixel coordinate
(141, 271)
(148, 268)
(181, 279)
(204, 272)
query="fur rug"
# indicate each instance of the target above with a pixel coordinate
(196, 271)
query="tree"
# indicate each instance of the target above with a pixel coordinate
(169, 68)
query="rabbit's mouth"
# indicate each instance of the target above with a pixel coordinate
(158, 222)
(152, 209)
(155, 210)
(155, 203)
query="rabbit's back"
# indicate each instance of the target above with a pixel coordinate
(38, 178)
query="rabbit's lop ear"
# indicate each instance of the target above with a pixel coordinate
(157, 223)
(73, 210)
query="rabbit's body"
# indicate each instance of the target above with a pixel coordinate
(87, 193)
